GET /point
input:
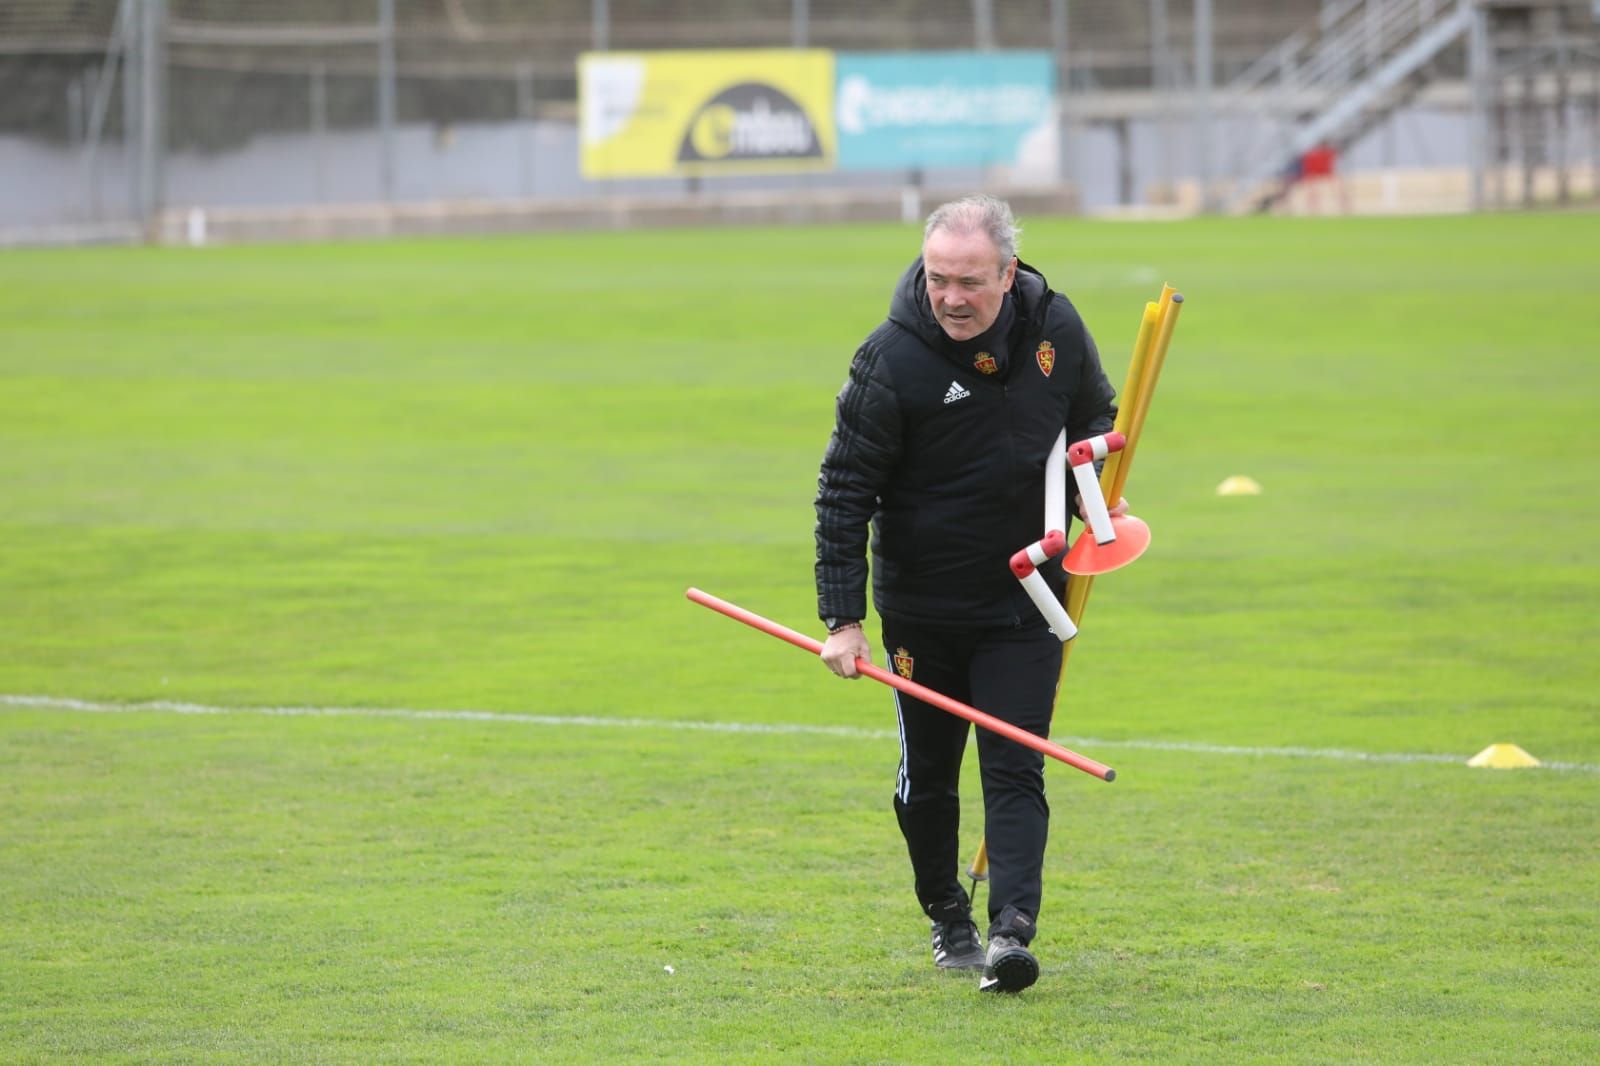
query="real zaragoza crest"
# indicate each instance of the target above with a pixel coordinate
(1046, 356)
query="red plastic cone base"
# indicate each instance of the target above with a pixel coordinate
(1087, 557)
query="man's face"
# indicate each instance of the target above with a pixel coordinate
(965, 283)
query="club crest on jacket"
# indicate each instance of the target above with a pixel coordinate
(985, 363)
(1046, 356)
(902, 663)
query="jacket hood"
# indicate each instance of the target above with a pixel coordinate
(909, 307)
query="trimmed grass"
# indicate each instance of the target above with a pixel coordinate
(479, 474)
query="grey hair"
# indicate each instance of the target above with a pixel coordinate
(979, 213)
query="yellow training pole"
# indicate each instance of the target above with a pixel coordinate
(1134, 392)
(1171, 304)
(1144, 367)
(1149, 327)
(1142, 375)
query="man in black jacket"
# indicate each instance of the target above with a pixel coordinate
(943, 430)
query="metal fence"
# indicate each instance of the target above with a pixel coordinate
(113, 110)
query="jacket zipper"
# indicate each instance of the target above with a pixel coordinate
(1011, 469)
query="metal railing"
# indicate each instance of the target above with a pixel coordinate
(1318, 83)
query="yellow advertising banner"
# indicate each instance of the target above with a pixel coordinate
(657, 114)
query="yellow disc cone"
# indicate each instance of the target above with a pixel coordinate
(1502, 757)
(1239, 485)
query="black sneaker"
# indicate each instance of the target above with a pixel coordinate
(955, 937)
(1009, 966)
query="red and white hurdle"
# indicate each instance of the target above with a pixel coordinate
(1025, 564)
(1083, 455)
(1110, 541)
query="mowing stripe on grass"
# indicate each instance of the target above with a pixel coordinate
(59, 703)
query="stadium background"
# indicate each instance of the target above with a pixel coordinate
(119, 117)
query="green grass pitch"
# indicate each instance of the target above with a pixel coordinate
(478, 475)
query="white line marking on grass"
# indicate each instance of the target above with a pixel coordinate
(174, 707)
(59, 703)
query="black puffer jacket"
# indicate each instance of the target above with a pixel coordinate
(943, 448)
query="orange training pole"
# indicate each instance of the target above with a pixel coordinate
(910, 688)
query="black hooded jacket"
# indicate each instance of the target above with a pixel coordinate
(942, 446)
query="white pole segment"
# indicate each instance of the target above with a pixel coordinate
(1055, 485)
(1025, 564)
(1054, 614)
(1094, 503)
(1082, 456)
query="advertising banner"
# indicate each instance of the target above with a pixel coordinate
(897, 110)
(655, 114)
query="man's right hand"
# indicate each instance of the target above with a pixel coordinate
(841, 650)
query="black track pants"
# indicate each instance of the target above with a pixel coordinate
(1010, 673)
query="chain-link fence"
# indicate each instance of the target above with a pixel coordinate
(113, 110)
